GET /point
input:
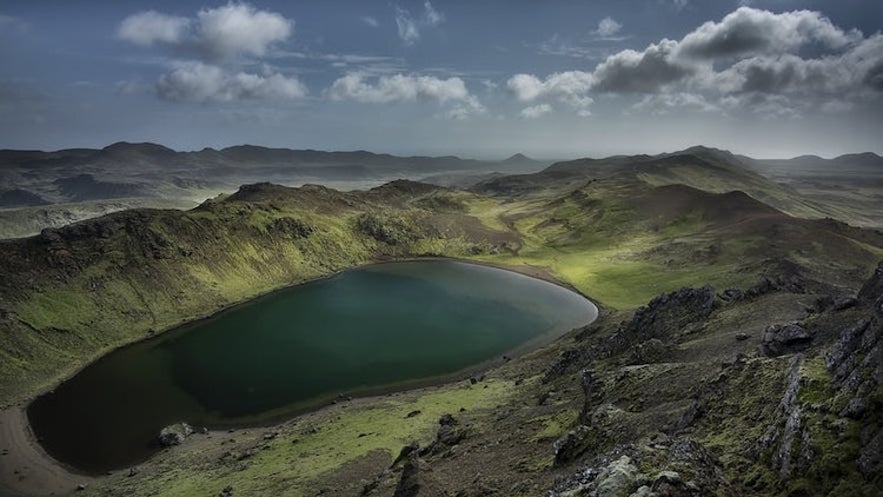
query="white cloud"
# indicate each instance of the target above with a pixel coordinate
(431, 17)
(409, 26)
(466, 109)
(535, 111)
(608, 27)
(241, 29)
(355, 86)
(360, 87)
(198, 82)
(371, 21)
(219, 37)
(571, 88)
(408, 30)
(218, 33)
(149, 27)
(749, 31)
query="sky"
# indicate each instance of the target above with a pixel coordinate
(485, 79)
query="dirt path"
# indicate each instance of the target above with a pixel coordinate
(25, 470)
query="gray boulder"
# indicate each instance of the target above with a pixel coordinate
(784, 339)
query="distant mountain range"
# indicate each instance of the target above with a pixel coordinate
(148, 170)
(29, 177)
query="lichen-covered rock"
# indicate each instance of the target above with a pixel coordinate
(617, 479)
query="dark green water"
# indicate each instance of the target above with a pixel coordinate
(368, 328)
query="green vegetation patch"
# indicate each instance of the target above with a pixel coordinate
(295, 459)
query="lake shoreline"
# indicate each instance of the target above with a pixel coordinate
(26, 451)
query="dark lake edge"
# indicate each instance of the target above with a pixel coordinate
(289, 412)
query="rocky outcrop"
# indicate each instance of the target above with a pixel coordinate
(617, 479)
(449, 434)
(295, 228)
(570, 361)
(617, 474)
(856, 366)
(416, 479)
(680, 312)
(873, 287)
(783, 276)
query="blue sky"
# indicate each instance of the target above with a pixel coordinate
(473, 78)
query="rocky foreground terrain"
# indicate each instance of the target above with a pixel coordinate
(737, 353)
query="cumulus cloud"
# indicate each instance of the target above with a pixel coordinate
(750, 60)
(360, 87)
(241, 29)
(855, 69)
(217, 33)
(751, 31)
(607, 27)
(640, 72)
(409, 26)
(219, 38)
(198, 82)
(150, 27)
(535, 111)
(371, 21)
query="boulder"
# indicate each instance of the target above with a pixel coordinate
(174, 434)
(784, 339)
(731, 294)
(617, 479)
